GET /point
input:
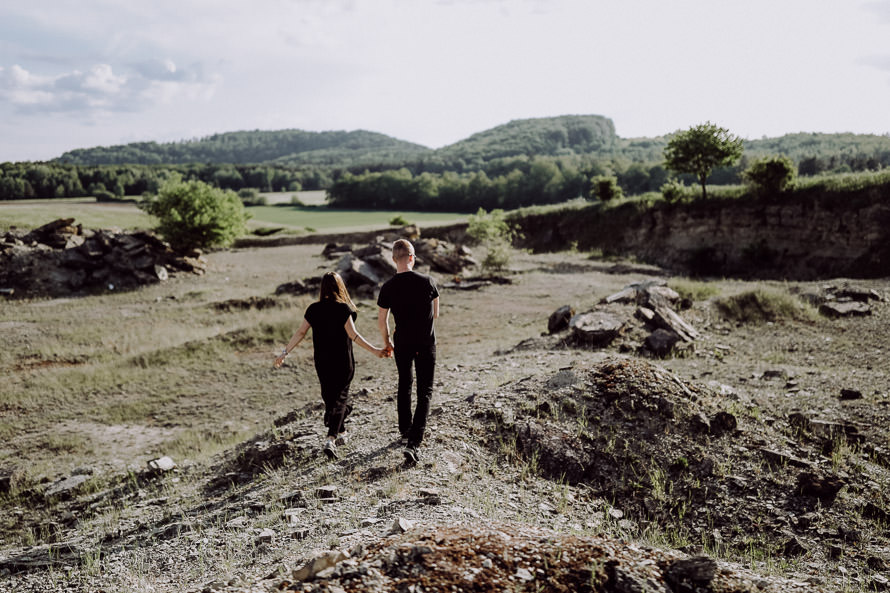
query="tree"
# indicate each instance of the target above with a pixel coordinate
(194, 214)
(492, 230)
(770, 175)
(701, 148)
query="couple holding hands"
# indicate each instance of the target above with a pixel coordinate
(413, 300)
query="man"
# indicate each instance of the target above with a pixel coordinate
(414, 301)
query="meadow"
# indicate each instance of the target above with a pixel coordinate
(311, 216)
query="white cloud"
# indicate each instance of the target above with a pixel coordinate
(100, 90)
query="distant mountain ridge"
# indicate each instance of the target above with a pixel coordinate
(559, 136)
(579, 134)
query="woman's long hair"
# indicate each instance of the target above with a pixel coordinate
(333, 289)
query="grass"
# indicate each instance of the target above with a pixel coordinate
(326, 219)
(694, 290)
(30, 214)
(765, 305)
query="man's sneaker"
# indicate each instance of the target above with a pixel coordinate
(411, 456)
(342, 439)
(330, 449)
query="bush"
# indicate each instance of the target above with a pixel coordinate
(250, 196)
(674, 191)
(770, 175)
(605, 188)
(398, 220)
(194, 214)
(492, 230)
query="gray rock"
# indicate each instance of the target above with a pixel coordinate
(595, 328)
(559, 319)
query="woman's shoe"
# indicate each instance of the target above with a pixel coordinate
(330, 449)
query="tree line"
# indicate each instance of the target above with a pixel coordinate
(52, 180)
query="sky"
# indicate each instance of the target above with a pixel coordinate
(104, 72)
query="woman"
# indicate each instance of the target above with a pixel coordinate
(332, 320)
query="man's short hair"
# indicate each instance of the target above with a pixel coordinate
(402, 249)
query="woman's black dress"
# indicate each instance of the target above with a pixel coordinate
(334, 361)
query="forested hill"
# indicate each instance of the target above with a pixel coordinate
(551, 136)
(282, 146)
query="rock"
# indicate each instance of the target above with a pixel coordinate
(401, 525)
(524, 575)
(318, 563)
(845, 309)
(793, 547)
(265, 536)
(692, 574)
(723, 423)
(622, 580)
(559, 319)
(825, 488)
(595, 328)
(162, 464)
(66, 487)
(661, 342)
(850, 394)
(328, 492)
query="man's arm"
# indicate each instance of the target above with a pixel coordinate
(436, 308)
(383, 326)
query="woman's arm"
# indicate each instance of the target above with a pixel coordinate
(358, 339)
(294, 342)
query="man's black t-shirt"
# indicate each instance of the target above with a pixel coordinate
(331, 343)
(409, 295)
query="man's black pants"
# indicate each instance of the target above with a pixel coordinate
(423, 359)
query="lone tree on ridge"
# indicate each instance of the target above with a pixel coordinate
(701, 148)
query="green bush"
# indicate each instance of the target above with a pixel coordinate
(492, 230)
(398, 220)
(605, 188)
(674, 191)
(770, 175)
(194, 214)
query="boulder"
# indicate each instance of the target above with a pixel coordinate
(559, 319)
(595, 328)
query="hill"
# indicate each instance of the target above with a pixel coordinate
(282, 146)
(552, 136)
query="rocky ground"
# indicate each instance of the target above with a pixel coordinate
(756, 460)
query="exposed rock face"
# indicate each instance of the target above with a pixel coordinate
(63, 259)
(803, 237)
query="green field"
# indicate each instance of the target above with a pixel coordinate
(29, 214)
(319, 218)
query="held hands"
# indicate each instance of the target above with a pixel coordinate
(383, 352)
(280, 360)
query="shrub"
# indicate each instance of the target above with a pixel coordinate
(250, 196)
(605, 188)
(398, 220)
(770, 175)
(194, 214)
(492, 230)
(758, 306)
(674, 191)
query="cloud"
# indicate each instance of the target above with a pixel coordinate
(880, 8)
(881, 62)
(101, 90)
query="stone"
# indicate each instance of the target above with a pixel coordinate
(66, 487)
(825, 488)
(318, 563)
(401, 525)
(690, 574)
(723, 423)
(265, 536)
(328, 492)
(661, 342)
(850, 394)
(845, 309)
(162, 464)
(559, 319)
(595, 328)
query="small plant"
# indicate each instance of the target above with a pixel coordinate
(694, 290)
(398, 220)
(674, 190)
